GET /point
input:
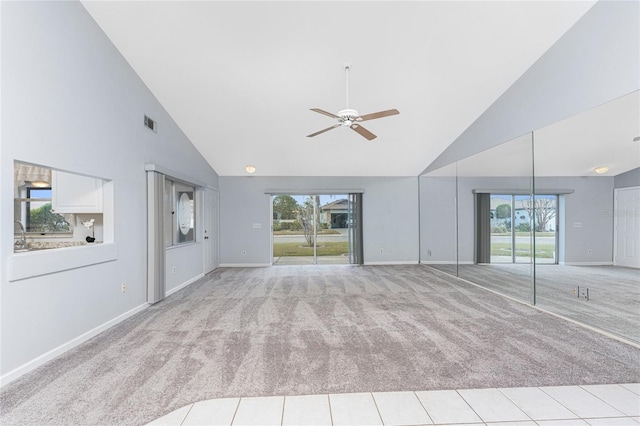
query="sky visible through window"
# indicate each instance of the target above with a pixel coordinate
(324, 199)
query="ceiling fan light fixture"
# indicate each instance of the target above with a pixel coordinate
(601, 170)
(349, 117)
(251, 169)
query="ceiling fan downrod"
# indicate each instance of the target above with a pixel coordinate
(347, 67)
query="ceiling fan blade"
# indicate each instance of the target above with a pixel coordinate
(325, 113)
(364, 132)
(379, 114)
(325, 130)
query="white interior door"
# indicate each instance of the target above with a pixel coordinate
(210, 222)
(627, 227)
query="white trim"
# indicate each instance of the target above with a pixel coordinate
(392, 262)
(608, 263)
(438, 262)
(48, 356)
(183, 285)
(588, 327)
(244, 265)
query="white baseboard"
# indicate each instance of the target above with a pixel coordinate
(438, 262)
(184, 284)
(48, 356)
(586, 263)
(393, 262)
(244, 265)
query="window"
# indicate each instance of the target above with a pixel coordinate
(39, 217)
(179, 212)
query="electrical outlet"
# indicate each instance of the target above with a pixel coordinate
(244, 252)
(381, 250)
(588, 251)
(123, 287)
(174, 269)
(428, 252)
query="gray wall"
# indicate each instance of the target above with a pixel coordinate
(390, 216)
(628, 179)
(70, 101)
(595, 62)
(438, 219)
(587, 205)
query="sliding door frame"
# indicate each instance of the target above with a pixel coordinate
(356, 247)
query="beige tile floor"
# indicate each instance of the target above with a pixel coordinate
(592, 405)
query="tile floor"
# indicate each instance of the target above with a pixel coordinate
(593, 405)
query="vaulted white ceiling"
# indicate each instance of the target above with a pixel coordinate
(239, 77)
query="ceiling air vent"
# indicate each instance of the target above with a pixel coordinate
(150, 124)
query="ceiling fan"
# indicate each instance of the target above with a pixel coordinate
(351, 118)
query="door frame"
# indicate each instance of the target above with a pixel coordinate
(214, 231)
(271, 193)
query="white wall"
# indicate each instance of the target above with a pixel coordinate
(390, 216)
(71, 102)
(595, 62)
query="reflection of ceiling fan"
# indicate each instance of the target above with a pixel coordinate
(351, 118)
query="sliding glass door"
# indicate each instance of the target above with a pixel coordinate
(315, 229)
(545, 219)
(512, 236)
(502, 243)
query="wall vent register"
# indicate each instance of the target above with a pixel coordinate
(151, 124)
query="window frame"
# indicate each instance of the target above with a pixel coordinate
(173, 191)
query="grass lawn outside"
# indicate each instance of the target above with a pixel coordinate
(321, 232)
(300, 249)
(543, 251)
(523, 234)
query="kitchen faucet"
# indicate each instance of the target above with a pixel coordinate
(21, 243)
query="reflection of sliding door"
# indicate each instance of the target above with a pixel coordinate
(504, 231)
(316, 229)
(502, 239)
(521, 233)
(545, 219)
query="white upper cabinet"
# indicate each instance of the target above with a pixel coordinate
(73, 193)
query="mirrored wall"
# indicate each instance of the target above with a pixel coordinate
(551, 218)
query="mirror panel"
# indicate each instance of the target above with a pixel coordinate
(595, 280)
(494, 218)
(438, 241)
(563, 235)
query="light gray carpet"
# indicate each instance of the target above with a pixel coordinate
(614, 292)
(312, 329)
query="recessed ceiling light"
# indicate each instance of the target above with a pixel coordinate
(601, 170)
(250, 169)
